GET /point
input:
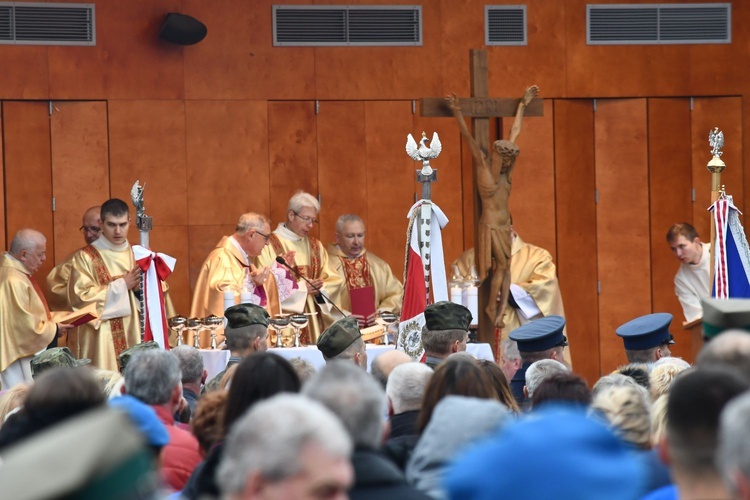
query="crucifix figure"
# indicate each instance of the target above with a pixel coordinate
(492, 179)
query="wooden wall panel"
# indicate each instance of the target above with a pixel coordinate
(390, 179)
(623, 239)
(128, 62)
(292, 152)
(29, 77)
(3, 225)
(147, 143)
(532, 200)
(448, 191)
(173, 240)
(80, 168)
(725, 113)
(237, 60)
(201, 240)
(670, 182)
(575, 178)
(227, 160)
(342, 168)
(28, 175)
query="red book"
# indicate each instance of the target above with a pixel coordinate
(363, 304)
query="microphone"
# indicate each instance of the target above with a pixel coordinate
(281, 261)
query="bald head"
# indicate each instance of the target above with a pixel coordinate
(383, 365)
(92, 224)
(730, 348)
(29, 247)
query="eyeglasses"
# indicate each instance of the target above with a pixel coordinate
(90, 229)
(266, 236)
(306, 220)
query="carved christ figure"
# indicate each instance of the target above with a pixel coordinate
(493, 185)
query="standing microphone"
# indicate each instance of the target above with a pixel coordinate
(281, 261)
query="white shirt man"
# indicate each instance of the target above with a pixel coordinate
(692, 281)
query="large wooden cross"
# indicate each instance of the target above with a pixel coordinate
(480, 108)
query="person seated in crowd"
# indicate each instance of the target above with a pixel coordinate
(733, 454)
(305, 370)
(638, 372)
(246, 332)
(663, 373)
(58, 394)
(538, 371)
(499, 383)
(720, 315)
(359, 402)
(311, 461)
(459, 375)
(446, 331)
(563, 387)
(617, 379)
(540, 339)
(343, 341)
(153, 376)
(207, 424)
(510, 358)
(627, 410)
(193, 373)
(557, 452)
(257, 378)
(695, 403)
(647, 338)
(382, 366)
(55, 357)
(124, 358)
(11, 401)
(110, 381)
(404, 391)
(442, 440)
(731, 348)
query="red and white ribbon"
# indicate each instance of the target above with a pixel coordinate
(156, 268)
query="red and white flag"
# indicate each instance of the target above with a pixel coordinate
(156, 268)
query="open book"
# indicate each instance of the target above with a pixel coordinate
(78, 318)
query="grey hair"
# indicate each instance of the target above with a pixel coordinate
(662, 375)
(269, 438)
(151, 375)
(355, 397)
(617, 380)
(628, 411)
(345, 219)
(439, 341)
(356, 347)
(406, 386)
(510, 348)
(680, 363)
(249, 221)
(26, 239)
(733, 453)
(191, 363)
(305, 370)
(731, 347)
(539, 370)
(301, 200)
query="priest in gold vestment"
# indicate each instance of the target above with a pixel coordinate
(229, 269)
(57, 279)
(359, 268)
(309, 258)
(105, 273)
(26, 323)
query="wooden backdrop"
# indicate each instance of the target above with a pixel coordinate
(234, 124)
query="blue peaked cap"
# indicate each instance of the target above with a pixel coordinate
(554, 452)
(651, 330)
(540, 335)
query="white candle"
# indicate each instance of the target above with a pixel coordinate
(456, 295)
(228, 299)
(473, 303)
(245, 297)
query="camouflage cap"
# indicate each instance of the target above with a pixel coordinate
(125, 355)
(243, 315)
(338, 337)
(446, 315)
(57, 356)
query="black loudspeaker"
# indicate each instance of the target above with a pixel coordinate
(182, 29)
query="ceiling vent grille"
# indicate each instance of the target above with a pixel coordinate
(639, 24)
(47, 23)
(505, 25)
(340, 25)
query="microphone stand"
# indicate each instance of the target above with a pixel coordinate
(281, 261)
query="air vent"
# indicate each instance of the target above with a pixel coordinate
(505, 25)
(337, 25)
(47, 23)
(638, 24)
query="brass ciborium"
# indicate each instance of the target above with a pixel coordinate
(278, 323)
(213, 322)
(178, 323)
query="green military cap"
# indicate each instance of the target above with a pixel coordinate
(243, 315)
(57, 356)
(125, 355)
(724, 314)
(446, 315)
(338, 337)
